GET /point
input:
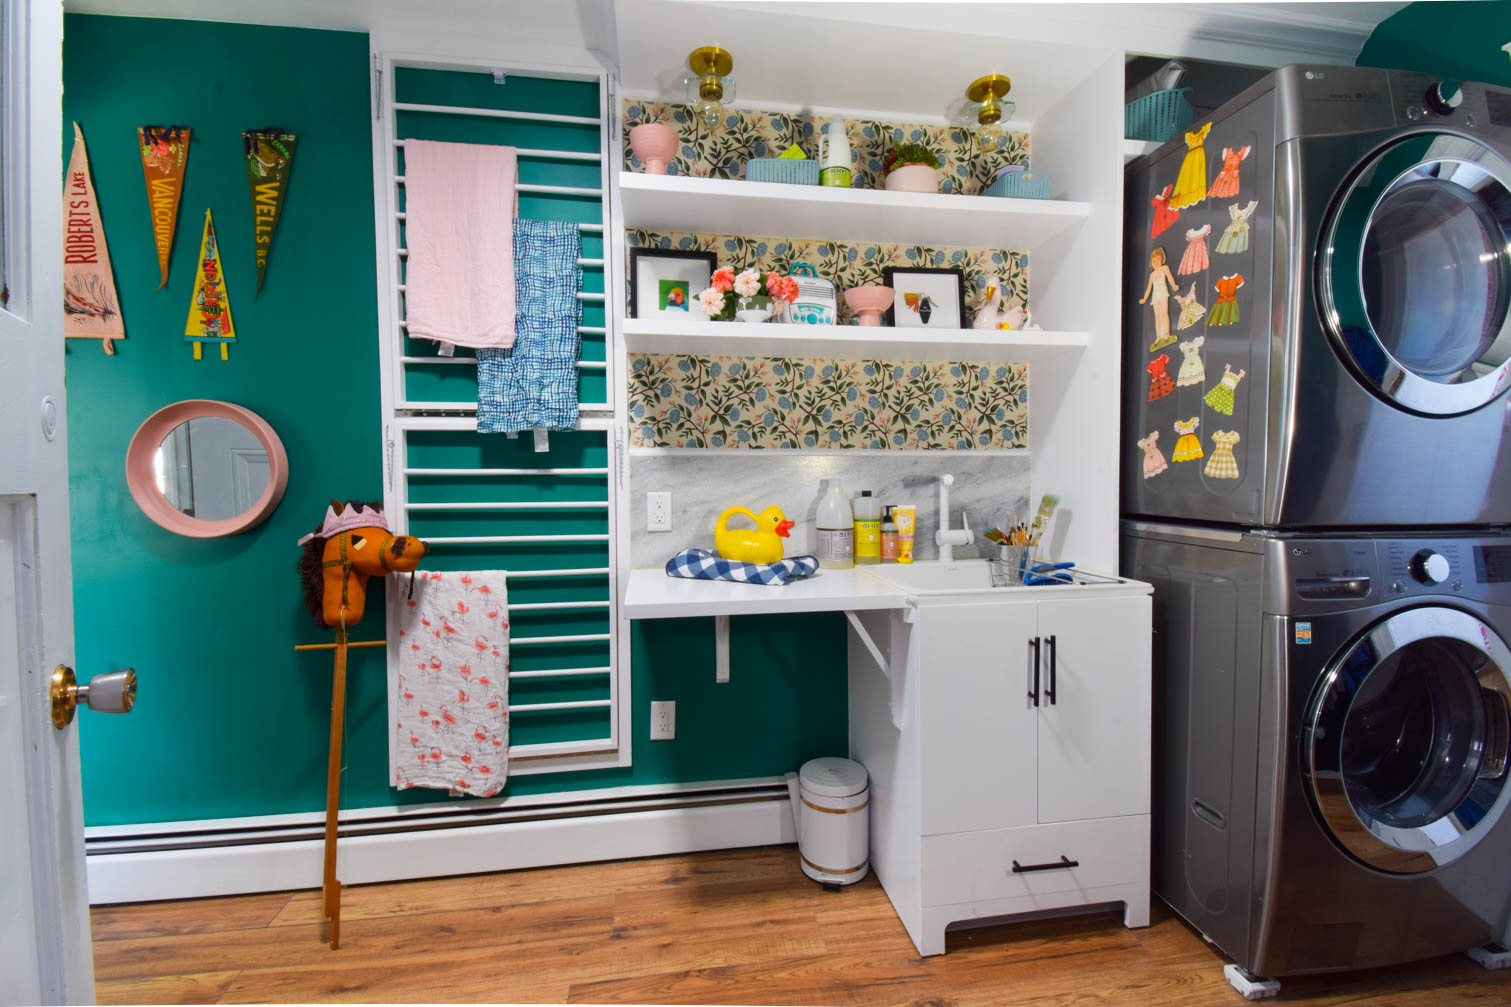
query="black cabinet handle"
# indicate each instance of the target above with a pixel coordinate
(1033, 693)
(1049, 693)
(1058, 865)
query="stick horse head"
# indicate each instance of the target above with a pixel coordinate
(352, 544)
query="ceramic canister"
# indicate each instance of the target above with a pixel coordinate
(833, 821)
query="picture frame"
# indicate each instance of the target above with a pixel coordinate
(664, 282)
(926, 298)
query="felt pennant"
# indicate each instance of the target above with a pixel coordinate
(210, 308)
(165, 154)
(270, 157)
(91, 307)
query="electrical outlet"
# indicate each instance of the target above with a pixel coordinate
(658, 512)
(663, 721)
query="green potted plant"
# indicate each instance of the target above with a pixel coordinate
(911, 167)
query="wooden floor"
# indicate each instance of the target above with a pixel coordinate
(730, 927)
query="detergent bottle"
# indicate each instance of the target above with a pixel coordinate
(867, 511)
(836, 530)
(834, 154)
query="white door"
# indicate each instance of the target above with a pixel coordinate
(44, 915)
(1094, 725)
(977, 716)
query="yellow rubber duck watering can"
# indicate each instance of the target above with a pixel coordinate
(763, 544)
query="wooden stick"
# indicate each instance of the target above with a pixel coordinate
(330, 887)
(333, 646)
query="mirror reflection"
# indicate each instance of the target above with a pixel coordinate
(211, 468)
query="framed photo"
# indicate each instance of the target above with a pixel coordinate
(664, 282)
(926, 298)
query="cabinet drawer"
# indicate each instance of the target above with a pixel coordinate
(974, 866)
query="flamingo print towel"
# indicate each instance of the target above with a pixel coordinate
(459, 208)
(450, 700)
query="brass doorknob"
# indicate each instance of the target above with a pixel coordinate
(112, 692)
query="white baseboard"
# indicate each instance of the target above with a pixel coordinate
(230, 864)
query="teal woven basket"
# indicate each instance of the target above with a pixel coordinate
(1027, 184)
(789, 170)
(1158, 116)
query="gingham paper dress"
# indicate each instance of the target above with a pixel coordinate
(1222, 464)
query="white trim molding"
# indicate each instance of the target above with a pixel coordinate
(182, 860)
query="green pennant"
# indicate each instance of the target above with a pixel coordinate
(270, 157)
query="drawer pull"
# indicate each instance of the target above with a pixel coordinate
(1058, 865)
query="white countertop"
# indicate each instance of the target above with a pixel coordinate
(653, 595)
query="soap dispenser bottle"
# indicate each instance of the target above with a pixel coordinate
(836, 530)
(834, 154)
(867, 529)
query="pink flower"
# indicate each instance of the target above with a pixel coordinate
(748, 283)
(711, 302)
(723, 280)
(781, 287)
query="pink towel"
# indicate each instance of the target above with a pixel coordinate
(459, 204)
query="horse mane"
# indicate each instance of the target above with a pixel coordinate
(312, 565)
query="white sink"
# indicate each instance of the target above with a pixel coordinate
(935, 577)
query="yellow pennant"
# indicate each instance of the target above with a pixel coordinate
(210, 308)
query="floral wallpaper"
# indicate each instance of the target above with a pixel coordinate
(723, 151)
(851, 264)
(682, 401)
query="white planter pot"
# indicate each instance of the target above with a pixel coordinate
(914, 178)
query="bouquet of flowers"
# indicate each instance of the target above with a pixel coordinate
(731, 295)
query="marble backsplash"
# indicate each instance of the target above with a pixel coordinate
(991, 488)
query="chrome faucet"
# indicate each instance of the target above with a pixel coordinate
(944, 537)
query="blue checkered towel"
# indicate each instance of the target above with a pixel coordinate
(534, 384)
(700, 564)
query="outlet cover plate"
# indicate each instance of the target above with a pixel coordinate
(658, 511)
(664, 720)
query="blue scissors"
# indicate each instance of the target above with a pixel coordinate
(1049, 573)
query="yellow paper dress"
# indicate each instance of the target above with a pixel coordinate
(1191, 183)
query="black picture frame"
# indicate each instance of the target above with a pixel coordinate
(890, 276)
(640, 255)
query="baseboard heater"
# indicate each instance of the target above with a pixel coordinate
(282, 853)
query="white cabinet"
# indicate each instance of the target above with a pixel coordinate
(1008, 744)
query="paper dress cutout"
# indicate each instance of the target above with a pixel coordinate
(1192, 371)
(91, 307)
(1188, 447)
(1236, 238)
(210, 307)
(1222, 464)
(1191, 183)
(1164, 217)
(1225, 185)
(1191, 310)
(1160, 384)
(1195, 260)
(1220, 396)
(1161, 285)
(1225, 309)
(270, 157)
(165, 154)
(1154, 462)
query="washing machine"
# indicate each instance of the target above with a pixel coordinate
(1331, 741)
(1339, 313)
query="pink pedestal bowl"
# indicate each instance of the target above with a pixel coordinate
(869, 302)
(913, 178)
(655, 143)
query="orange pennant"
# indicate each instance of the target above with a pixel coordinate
(165, 154)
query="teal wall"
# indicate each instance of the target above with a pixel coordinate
(229, 722)
(1452, 38)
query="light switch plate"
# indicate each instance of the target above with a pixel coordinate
(658, 511)
(664, 720)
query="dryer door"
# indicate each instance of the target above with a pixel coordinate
(1415, 273)
(1405, 743)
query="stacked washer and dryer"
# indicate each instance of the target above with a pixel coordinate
(1319, 489)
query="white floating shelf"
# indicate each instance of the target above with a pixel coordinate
(847, 342)
(725, 206)
(1133, 149)
(651, 594)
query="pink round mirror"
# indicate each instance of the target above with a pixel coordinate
(204, 468)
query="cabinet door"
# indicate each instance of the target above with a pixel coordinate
(1094, 736)
(976, 723)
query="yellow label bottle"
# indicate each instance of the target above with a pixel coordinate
(867, 529)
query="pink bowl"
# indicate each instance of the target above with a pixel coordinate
(869, 302)
(655, 143)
